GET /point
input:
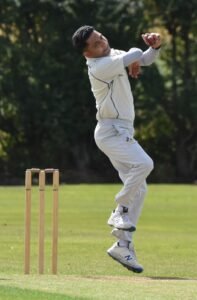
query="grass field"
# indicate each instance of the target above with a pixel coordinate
(166, 244)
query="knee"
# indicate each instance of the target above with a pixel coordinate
(148, 165)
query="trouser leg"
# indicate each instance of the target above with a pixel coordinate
(133, 167)
(132, 163)
(135, 207)
(134, 213)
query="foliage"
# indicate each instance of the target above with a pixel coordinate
(47, 111)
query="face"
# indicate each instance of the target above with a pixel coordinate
(97, 45)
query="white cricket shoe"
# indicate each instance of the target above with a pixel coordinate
(121, 234)
(120, 220)
(132, 250)
(125, 257)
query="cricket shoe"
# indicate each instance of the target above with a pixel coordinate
(125, 257)
(124, 235)
(132, 250)
(120, 220)
(121, 234)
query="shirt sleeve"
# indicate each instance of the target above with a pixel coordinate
(108, 67)
(134, 54)
(149, 56)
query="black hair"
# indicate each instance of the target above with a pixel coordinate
(80, 37)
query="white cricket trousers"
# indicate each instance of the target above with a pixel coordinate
(115, 138)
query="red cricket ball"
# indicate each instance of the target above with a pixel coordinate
(151, 40)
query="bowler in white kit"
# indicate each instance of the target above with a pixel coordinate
(114, 133)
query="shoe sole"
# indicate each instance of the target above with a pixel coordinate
(131, 229)
(119, 235)
(126, 266)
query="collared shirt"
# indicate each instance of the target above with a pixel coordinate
(110, 84)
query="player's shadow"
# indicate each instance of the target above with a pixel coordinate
(170, 278)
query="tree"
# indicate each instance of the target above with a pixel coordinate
(47, 111)
(179, 18)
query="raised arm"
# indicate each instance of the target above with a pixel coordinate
(133, 55)
(131, 60)
(154, 41)
(148, 57)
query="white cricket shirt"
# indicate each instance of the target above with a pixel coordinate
(111, 87)
(110, 84)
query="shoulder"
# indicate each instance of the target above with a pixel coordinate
(106, 67)
(115, 55)
(117, 52)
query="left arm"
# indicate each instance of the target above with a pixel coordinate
(152, 40)
(148, 56)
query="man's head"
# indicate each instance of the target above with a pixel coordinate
(90, 42)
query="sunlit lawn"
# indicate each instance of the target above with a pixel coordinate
(166, 244)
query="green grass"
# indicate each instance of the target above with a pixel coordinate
(166, 244)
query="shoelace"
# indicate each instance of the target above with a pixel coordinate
(125, 217)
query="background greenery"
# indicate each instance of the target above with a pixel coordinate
(47, 111)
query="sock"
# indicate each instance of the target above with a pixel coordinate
(122, 243)
(121, 208)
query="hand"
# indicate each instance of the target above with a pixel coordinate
(152, 39)
(134, 69)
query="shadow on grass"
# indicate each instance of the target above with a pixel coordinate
(9, 293)
(5, 279)
(170, 278)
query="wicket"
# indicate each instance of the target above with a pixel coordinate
(28, 187)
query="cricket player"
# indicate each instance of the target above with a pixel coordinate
(114, 133)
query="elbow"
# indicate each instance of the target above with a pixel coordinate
(132, 56)
(148, 63)
(138, 53)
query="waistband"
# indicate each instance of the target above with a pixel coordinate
(125, 123)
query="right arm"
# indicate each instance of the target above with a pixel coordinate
(133, 55)
(110, 66)
(152, 40)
